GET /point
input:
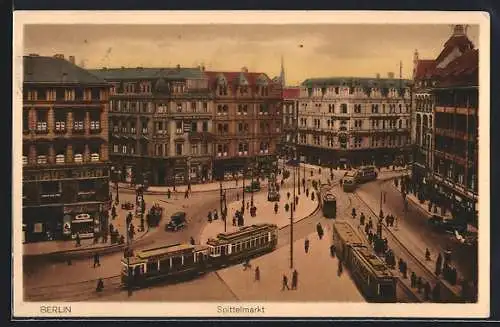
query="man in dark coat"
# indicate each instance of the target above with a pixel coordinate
(285, 283)
(319, 230)
(439, 262)
(295, 280)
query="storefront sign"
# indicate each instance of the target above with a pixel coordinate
(61, 174)
(81, 208)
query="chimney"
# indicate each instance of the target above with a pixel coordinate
(390, 75)
(377, 75)
(244, 70)
(72, 59)
(59, 56)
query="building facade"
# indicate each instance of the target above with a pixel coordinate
(247, 121)
(65, 150)
(290, 118)
(422, 118)
(354, 121)
(455, 94)
(160, 125)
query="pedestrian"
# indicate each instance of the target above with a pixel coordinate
(306, 245)
(419, 284)
(100, 285)
(191, 240)
(405, 270)
(370, 223)
(285, 283)
(168, 193)
(413, 279)
(234, 221)
(439, 261)
(77, 239)
(428, 255)
(96, 260)
(276, 208)
(189, 188)
(400, 265)
(362, 219)
(332, 250)
(295, 276)
(248, 205)
(307, 192)
(367, 229)
(353, 213)
(427, 290)
(319, 230)
(216, 215)
(113, 211)
(340, 269)
(247, 264)
(387, 218)
(186, 194)
(257, 274)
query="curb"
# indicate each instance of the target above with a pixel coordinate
(424, 267)
(82, 253)
(131, 190)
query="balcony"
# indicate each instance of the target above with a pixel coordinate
(60, 127)
(41, 128)
(60, 159)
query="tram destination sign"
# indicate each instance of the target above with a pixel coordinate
(62, 174)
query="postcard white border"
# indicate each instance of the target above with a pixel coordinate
(273, 309)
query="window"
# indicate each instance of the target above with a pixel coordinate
(115, 148)
(205, 107)
(41, 159)
(179, 107)
(26, 121)
(242, 148)
(357, 142)
(240, 128)
(69, 95)
(50, 95)
(41, 123)
(144, 127)
(194, 127)
(178, 149)
(263, 109)
(357, 108)
(331, 108)
(358, 123)
(60, 122)
(178, 127)
(193, 106)
(400, 124)
(124, 149)
(205, 126)
(32, 95)
(343, 108)
(194, 149)
(78, 121)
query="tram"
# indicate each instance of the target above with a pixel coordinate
(369, 272)
(329, 205)
(186, 260)
(366, 174)
(349, 181)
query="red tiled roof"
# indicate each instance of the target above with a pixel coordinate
(291, 93)
(461, 42)
(232, 77)
(462, 69)
(424, 68)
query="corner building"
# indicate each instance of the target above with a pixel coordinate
(354, 121)
(160, 125)
(247, 121)
(65, 150)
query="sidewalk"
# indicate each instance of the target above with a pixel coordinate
(317, 275)
(119, 223)
(415, 244)
(205, 187)
(265, 212)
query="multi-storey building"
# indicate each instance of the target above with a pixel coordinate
(247, 121)
(290, 117)
(160, 124)
(65, 150)
(455, 94)
(354, 121)
(422, 120)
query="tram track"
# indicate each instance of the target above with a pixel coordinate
(420, 269)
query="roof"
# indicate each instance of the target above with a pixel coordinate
(291, 93)
(424, 69)
(356, 82)
(347, 233)
(243, 231)
(236, 77)
(113, 74)
(164, 250)
(375, 263)
(461, 42)
(51, 70)
(463, 70)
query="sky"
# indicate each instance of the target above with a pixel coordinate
(308, 50)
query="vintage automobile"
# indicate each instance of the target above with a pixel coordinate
(445, 224)
(177, 221)
(154, 215)
(253, 187)
(128, 205)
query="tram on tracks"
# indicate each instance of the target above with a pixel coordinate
(329, 205)
(186, 260)
(370, 273)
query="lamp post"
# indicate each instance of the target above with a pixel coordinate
(127, 253)
(243, 197)
(291, 216)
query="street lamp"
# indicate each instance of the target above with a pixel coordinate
(291, 217)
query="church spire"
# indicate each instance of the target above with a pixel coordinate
(282, 73)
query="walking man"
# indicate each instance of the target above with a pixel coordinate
(257, 274)
(439, 261)
(306, 245)
(285, 283)
(413, 279)
(295, 276)
(332, 250)
(319, 230)
(96, 260)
